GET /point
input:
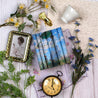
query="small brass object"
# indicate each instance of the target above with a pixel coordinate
(43, 17)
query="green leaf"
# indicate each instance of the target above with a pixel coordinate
(11, 91)
(11, 67)
(30, 81)
(2, 56)
(52, 7)
(29, 17)
(30, 58)
(4, 76)
(21, 27)
(13, 14)
(20, 15)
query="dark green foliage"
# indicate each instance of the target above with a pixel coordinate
(10, 74)
(10, 90)
(30, 58)
(21, 27)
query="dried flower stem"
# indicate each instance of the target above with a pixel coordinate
(36, 9)
(33, 7)
(73, 87)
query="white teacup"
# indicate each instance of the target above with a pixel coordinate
(70, 15)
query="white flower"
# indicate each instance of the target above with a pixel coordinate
(21, 6)
(8, 20)
(17, 24)
(26, 10)
(20, 20)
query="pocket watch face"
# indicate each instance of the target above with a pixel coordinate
(52, 86)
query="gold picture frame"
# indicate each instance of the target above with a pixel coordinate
(18, 46)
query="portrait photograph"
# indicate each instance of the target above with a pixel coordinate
(18, 46)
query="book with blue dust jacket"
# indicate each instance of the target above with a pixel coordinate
(58, 46)
(62, 41)
(46, 51)
(52, 49)
(37, 51)
(41, 51)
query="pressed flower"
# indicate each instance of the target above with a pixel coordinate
(87, 61)
(77, 23)
(72, 37)
(86, 68)
(21, 6)
(77, 30)
(77, 42)
(91, 39)
(47, 6)
(90, 44)
(17, 24)
(74, 66)
(96, 46)
(90, 50)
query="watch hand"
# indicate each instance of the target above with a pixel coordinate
(52, 83)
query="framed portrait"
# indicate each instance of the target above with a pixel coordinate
(18, 46)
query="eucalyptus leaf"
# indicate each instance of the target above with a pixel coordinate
(30, 81)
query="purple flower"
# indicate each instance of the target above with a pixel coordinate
(91, 39)
(77, 50)
(77, 30)
(77, 42)
(90, 50)
(72, 37)
(87, 61)
(86, 68)
(77, 23)
(90, 44)
(91, 55)
(96, 46)
(74, 66)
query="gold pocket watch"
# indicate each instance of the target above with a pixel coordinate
(52, 85)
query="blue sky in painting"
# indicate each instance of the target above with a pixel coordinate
(52, 48)
(57, 44)
(62, 41)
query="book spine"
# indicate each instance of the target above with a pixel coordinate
(46, 52)
(58, 46)
(37, 51)
(52, 49)
(41, 51)
(62, 41)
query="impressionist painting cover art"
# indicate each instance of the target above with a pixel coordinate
(50, 48)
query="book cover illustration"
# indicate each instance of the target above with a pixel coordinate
(46, 51)
(58, 46)
(62, 41)
(41, 51)
(52, 49)
(37, 51)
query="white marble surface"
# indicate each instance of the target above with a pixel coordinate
(87, 88)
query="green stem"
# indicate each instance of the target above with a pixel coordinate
(73, 87)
